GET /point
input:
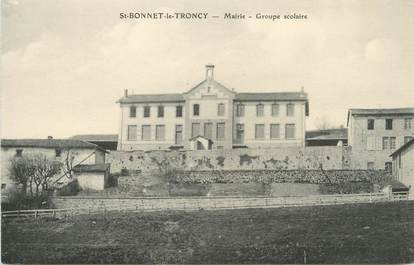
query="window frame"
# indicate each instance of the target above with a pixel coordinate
(278, 131)
(19, 153)
(160, 111)
(256, 126)
(179, 107)
(239, 110)
(147, 112)
(218, 124)
(287, 109)
(132, 111)
(275, 111)
(372, 123)
(221, 109)
(388, 124)
(142, 132)
(196, 109)
(294, 131)
(259, 110)
(130, 136)
(157, 127)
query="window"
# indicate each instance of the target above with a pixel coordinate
(132, 133)
(196, 109)
(239, 133)
(179, 111)
(407, 139)
(275, 109)
(146, 132)
(274, 131)
(220, 109)
(160, 132)
(147, 111)
(290, 109)
(178, 134)
(259, 110)
(132, 111)
(388, 124)
(385, 143)
(3, 186)
(370, 124)
(195, 129)
(259, 131)
(58, 152)
(290, 131)
(220, 131)
(388, 143)
(19, 152)
(370, 165)
(160, 111)
(407, 123)
(208, 130)
(388, 166)
(239, 110)
(392, 142)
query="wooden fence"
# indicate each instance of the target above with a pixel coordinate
(210, 203)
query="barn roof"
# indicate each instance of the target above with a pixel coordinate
(96, 137)
(47, 143)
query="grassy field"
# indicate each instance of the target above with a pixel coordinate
(364, 233)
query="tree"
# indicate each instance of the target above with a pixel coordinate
(21, 170)
(34, 171)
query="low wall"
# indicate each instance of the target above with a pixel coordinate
(254, 182)
(330, 157)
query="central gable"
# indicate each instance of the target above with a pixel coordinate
(209, 89)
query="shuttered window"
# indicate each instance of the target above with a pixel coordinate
(274, 131)
(160, 132)
(132, 133)
(259, 131)
(146, 132)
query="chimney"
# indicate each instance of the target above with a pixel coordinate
(50, 137)
(209, 71)
(125, 93)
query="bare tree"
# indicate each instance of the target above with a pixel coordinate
(68, 162)
(21, 170)
(45, 170)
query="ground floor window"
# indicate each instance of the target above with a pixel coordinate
(132, 133)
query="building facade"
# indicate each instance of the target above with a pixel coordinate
(225, 119)
(403, 163)
(62, 150)
(374, 134)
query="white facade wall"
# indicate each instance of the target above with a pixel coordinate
(360, 138)
(169, 120)
(7, 153)
(91, 180)
(250, 120)
(404, 166)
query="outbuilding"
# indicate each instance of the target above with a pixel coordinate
(403, 163)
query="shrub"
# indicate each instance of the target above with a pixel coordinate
(71, 189)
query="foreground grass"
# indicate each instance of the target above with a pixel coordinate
(364, 233)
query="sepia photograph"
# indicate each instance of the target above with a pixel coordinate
(207, 132)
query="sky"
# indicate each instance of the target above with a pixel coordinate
(66, 62)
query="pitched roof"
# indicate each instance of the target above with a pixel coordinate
(388, 111)
(381, 111)
(96, 137)
(47, 143)
(403, 147)
(91, 168)
(177, 97)
(158, 98)
(286, 96)
(328, 134)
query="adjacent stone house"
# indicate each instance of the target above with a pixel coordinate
(374, 134)
(226, 118)
(79, 152)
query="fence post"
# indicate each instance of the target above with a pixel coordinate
(35, 214)
(53, 213)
